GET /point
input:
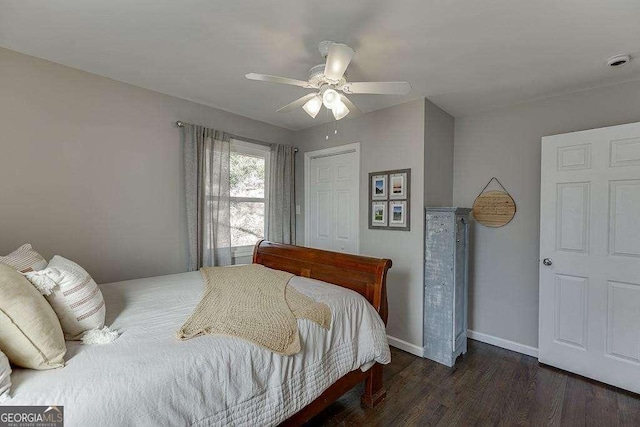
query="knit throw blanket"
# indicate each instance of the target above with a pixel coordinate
(256, 304)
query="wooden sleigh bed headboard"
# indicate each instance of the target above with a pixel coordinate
(367, 276)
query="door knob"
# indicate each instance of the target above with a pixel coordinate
(547, 262)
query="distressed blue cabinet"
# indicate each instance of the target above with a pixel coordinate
(446, 259)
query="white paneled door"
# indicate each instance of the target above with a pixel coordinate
(332, 196)
(590, 254)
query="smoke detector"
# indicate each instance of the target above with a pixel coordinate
(618, 61)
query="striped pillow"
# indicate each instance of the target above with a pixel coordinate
(73, 294)
(24, 259)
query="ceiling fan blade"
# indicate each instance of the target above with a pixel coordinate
(338, 60)
(297, 103)
(381, 88)
(276, 79)
(350, 105)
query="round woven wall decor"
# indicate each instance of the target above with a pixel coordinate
(494, 208)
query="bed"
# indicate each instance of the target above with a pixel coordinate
(148, 377)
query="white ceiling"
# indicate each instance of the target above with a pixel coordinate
(466, 56)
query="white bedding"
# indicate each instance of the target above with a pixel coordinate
(148, 377)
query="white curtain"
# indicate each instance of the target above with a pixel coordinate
(281, 215)
(206, 161)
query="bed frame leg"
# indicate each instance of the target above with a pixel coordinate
(374, 391)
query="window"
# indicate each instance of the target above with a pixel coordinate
(249, 176)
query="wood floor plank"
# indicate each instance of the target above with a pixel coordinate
(575, 401)
(516, 406)
(488, 386)
(549, 397)
(628, 413)
(501, 390)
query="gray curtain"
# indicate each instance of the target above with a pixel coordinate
(281, 215)
(206, 164)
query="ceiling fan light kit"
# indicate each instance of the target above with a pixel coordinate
(340, 111)
(313, 106)
(330, 98)
(329, 79)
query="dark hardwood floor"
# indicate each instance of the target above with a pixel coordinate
(489, 386)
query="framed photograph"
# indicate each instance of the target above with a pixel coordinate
(398, 214)
(398, 186)
(379, 214)
(379, 187)
(390, 200)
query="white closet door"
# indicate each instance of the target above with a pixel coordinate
(332, 188)
(590, 254)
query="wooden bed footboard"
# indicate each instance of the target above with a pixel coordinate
(365, 275)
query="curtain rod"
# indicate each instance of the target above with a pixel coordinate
(181, 124)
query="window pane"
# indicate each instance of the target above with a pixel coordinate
(247, 223)
(247, 175)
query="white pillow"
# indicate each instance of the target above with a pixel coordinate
(73, 294)
(24, 259)
(5, 378)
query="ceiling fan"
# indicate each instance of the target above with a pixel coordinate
(328, 80)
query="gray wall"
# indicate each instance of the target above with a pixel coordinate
(390, 139)
(91, 168)
(506, 144)
(438, 156)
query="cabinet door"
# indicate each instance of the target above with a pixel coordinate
(460, 293)
(439, 287)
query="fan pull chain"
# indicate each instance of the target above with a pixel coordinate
(327, 136)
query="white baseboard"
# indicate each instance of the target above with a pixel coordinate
(478, 336)
(500, 342)
(406, 346)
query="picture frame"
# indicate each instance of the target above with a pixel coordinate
(379, 187)
(398, 186)
(390, 200)
(379, 214)
(398, 213)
